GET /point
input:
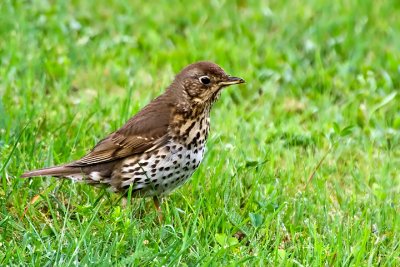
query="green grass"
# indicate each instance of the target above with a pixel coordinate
(302, 165)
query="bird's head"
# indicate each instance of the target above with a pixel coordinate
(201, 83)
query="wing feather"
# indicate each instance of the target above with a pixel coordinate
(146, 131)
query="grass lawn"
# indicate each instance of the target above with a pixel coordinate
(302, 163)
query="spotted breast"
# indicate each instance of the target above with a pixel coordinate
(160, 171)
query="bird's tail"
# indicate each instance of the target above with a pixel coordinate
(57, 171)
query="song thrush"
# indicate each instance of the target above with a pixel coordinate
(159, 148)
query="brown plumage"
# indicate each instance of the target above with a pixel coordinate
(159, 148)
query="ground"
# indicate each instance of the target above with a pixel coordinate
(302, 163)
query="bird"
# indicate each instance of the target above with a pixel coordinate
(158, 149)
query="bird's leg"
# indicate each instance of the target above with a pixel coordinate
(158, 208)
(124, 202)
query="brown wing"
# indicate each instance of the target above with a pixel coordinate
(146, 130)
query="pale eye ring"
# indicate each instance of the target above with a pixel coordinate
(205, 79)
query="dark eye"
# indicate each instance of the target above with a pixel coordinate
(204, 80)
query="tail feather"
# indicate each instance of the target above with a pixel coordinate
(60, 171)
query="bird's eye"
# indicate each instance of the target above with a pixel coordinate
(204, 80)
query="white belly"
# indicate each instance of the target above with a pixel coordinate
(162, 172)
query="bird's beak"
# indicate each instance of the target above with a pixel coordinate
(231, 80)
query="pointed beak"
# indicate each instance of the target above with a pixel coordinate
(232, 80)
